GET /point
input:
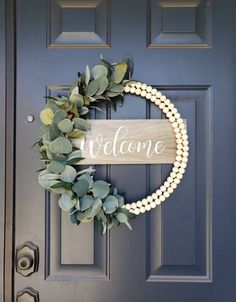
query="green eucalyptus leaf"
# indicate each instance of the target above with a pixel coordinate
(77, 99)
(74, 154)
(87, 75)
(65, 125)
(103, 83)
(126, 212)
(112, 94)
(81, 187)
(73, 215)
(99, 71)
(59, 115)
(100, 189)
(74, 160)
(85, 202)
(62, 185)
(55, 166)
(68, 174)
(96, 207)
(81, 124)
(83, 110)
(122, 218)
(92, 88)
(88, 170)
(110, 204)
(89, 179)
(76, 134)
(47, 179)
(60, 145)
(66, 202)
(120, 199)
(119, 72)
(118, 88)
(42, 130)
(53, 132)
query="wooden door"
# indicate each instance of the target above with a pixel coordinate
(183, 250)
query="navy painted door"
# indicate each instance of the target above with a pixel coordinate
(184, 250)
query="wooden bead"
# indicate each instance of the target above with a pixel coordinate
(178, 158)
(174, 125)
(163, 97)
(177, 115)
(182, 170)
(185, 154)
(143, 86)
(182, 126)
(178, 135)
(179, 120)
(166, 184)
(132, 90)
(142, 210)
(139, 203)
(173, 185)
(154, 91)
(185, 148)
(149, 199)
(128, 206)
(137, 211)
(174, 110)
(162, 198)
(157, 201)
(163, 188)
(176, 130)
(158, 192)
(144, 201)
(154, 195)
(169, 114)
(138, 91)
(153, 205)
(170, 190)
(173, 175)
(177, 181)
(184, 136)
(179, 146)
(183, 165)
(161, 106)
(171, 119)
(147, 207)
(133, 205)
(179, 152)
(166, 194)
(185, 159)
(143, 93)
(148, 96)
(138, 84)
(153, 99)
(167, 102)
(183, 131)
(170, 179)
(165, 110)
(177, 164)
(171, 106)
(127, 89)
(179, 176)
(149, 89)
(158, 94)
(157, 102)
(175, 169)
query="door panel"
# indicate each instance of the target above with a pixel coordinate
(183, 250)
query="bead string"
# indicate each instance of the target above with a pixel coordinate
(182, 147)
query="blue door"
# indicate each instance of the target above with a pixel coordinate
(183, 250)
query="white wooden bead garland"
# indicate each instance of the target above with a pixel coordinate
(182, 147)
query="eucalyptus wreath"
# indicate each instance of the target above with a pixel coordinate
(65, 118)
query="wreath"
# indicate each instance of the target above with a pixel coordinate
(65, 118)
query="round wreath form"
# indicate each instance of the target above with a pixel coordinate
(64, 118)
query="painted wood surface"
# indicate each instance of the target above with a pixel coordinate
(128, 142)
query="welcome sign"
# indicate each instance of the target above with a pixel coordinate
(128, 142)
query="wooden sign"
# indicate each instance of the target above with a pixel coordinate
(128, 142)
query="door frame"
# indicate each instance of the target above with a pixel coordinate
(7, 146)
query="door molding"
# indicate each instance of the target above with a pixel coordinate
(7, 114)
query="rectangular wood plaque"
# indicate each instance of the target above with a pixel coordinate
(128, 142)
